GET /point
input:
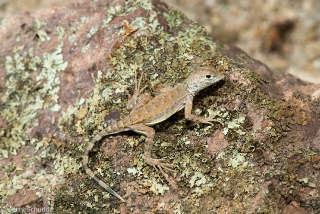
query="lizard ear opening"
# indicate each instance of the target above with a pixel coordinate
(208, 76)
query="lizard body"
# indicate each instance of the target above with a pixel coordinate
(146, 112)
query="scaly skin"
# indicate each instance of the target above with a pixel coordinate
(146, 112)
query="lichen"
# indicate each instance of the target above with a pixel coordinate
(20, 104)
(92, 31)
(158, 188)
(60, 31)
(197, 179)
(43, 36)
(163, 58)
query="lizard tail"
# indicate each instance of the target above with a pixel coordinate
(85, 160)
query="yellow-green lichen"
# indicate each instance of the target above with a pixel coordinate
(133, 171)
(20, 104)
(60, 31)
(105, 22)
(92, 31)
(197, 179)
(234, 125)
(158, 188)
(84, 19)
(84, 49)
(236, 160)
(43, 36)
(116, 10)
(72, 39)
(3, 23)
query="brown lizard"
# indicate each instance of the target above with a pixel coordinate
(146, 112)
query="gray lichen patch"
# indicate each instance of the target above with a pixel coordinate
(31, 88)
(24, 96)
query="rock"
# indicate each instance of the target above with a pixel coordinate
(65, 75)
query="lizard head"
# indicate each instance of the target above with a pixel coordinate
(202, 78)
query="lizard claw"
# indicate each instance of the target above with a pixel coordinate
(209, 120)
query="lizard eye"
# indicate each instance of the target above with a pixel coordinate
(208, 76)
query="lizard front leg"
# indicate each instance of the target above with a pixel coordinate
(195, 118)
(156, 163)
(137, 100)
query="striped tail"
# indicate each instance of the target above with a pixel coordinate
(114, 128)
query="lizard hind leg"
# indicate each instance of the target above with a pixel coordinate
(158, 164)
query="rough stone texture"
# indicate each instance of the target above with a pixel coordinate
(65, 73)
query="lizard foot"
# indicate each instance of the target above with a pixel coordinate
(159, 165)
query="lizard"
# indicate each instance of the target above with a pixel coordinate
(145, 112)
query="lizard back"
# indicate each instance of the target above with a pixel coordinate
(157, 109)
